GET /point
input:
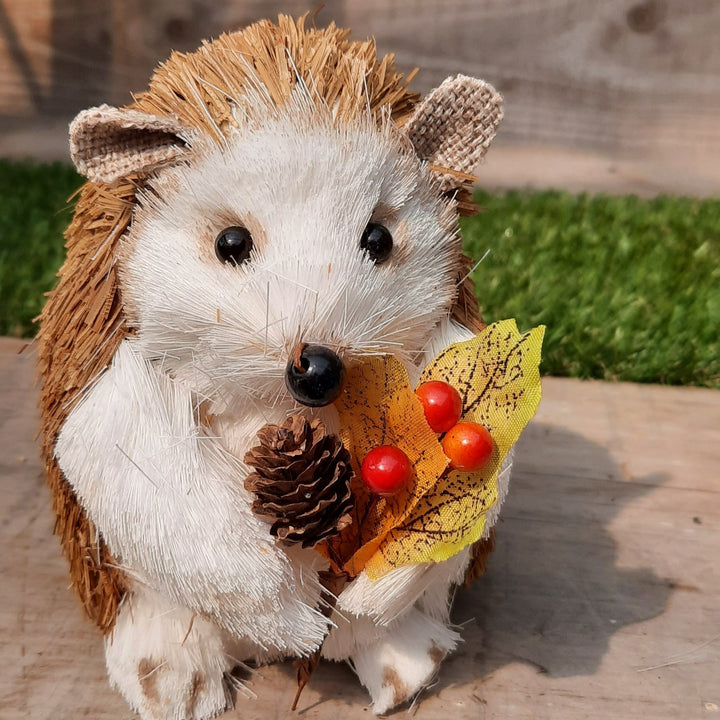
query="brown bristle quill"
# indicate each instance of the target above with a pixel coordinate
(479, 555)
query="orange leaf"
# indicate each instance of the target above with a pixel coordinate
(378, 407)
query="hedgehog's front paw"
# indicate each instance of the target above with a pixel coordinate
(166, 663)
(404, 661)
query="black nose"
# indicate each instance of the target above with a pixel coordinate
(314, 375)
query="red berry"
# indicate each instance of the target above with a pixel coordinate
(385, 470)
(442, 404)
(468, 445)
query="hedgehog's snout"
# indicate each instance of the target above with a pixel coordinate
(314, 375)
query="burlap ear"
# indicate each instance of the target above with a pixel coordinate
(452, 127)
(108, 143)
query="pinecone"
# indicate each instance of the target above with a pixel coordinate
(301, 481)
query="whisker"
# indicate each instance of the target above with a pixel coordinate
(227, 95)
(154, 670)
(472, 269)
(142, 472)
(221, 136)
(267, 317)
(291, 280)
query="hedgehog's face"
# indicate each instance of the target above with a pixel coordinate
(299, 232)
(302, 241)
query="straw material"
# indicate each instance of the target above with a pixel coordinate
(81, 327)
(83, 322)
(465, 310)
(479, 555)
(201, 89)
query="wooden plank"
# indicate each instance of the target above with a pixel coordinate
(25, 67)
(602, 599)
(55, 56)
(619, 96)
(621, 76)
(81, 55)
(542, 167)
(537, 167)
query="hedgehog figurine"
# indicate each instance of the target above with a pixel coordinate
(275, 210)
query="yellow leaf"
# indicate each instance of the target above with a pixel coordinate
(497, 375)
(378, 407)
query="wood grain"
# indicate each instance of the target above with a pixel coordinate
(25, 56)
(602, 599)
(55, 56)
(634, 81)
(618, 76)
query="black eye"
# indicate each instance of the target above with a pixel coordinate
(233, 245)
(377, 242)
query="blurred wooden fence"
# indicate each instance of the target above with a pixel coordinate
(619, 79)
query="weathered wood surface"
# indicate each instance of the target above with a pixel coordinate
(601, 601)
(25, 50)
(636, 82)
(55, 56)
(617, 75)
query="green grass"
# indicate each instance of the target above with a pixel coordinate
(629, 289)
(33, 217)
